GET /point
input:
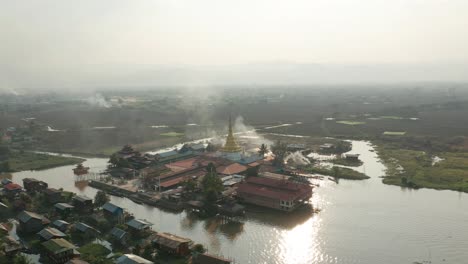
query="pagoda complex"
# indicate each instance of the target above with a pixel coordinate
(231, 149)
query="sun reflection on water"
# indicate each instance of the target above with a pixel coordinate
(300, 245)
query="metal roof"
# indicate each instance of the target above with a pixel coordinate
(139, 224)
(63, 206)
(50, 232)
(25, 216)
(111, 207)
(58, 245)
(80, 226)
(118, 233)
(82, 198)
(132, 259)
(60, 223)
(170, 240)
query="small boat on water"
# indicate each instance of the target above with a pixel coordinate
(80, 169)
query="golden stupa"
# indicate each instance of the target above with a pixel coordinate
(231, 145)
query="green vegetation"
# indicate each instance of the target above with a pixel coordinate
(263, 150)
(337, 172)
(351, 123)
(414, 168)
(100, 199)
(172, 134)
(347, 162)
(211, 183)
(95, 253)
(20, 161)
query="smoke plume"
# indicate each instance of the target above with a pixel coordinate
(297, 158)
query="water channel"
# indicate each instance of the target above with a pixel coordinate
(359, 222)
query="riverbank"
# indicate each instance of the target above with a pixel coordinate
(24, 161)
(419, 169)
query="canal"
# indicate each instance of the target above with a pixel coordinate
(359, 222)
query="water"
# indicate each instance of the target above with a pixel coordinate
(360, 222)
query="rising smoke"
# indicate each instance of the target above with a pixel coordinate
(297, 158)
(99, 101)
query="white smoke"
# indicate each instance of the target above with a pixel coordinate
(248, 132)
(99, 101)
(297, 158)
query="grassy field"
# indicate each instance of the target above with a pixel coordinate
(34, 161)
(415, 168)
(172, 134)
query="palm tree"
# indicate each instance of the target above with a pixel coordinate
(263, 150)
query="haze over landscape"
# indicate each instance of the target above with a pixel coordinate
(233, 132)
(90, 44)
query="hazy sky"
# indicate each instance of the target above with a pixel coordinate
(64, 41)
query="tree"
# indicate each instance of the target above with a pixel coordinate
(149, 179)
(190, 185)
(263, 150)
(252, 172)
(101, 198)
(199, 248)
(136, 250)
(279, 150)
(21, 259)
(147, 252)
(336, 173)
(211, 183)
(5, 167)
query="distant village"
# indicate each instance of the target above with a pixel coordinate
(202, 178)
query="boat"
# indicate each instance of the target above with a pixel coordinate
(80, 169)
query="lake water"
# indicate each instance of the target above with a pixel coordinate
(359, 222)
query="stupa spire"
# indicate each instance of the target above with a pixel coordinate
(231, 144)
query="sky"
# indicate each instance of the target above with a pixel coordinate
(64, 43)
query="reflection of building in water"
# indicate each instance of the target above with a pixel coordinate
(81, 185)
(232, 229)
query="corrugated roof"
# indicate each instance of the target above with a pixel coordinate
(80, 226)
(118, 233)
(50, 232)
(60, 223)
(170, 240)
(168, 153)
(139, 224)
(25, 216)
(58, 245)
(81, 198)
(63, 206)
(110, 207)
(275, 189)
(132, 259)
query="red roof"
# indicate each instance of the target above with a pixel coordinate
(233, 168)
(180, 179)
(173, 182)
(12, 187)
(274, 189)
(182, 164)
